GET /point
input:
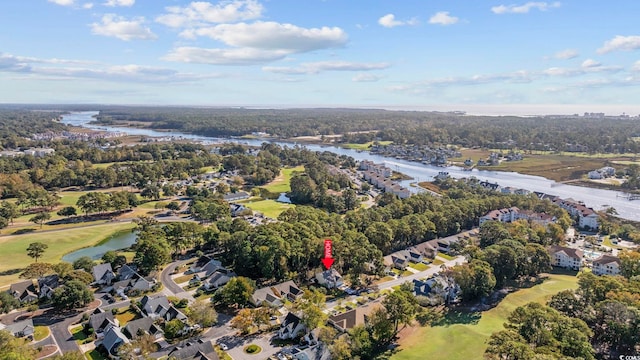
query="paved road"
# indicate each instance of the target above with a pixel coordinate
(170, 287)
(59, 326)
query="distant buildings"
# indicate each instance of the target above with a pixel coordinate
(379, 176)
(512, 214)
(565, 257)
(606, 265)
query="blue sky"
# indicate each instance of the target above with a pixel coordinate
(522, 57)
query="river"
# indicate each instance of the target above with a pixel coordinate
(596, 198)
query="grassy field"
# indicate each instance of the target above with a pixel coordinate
(270, 208)
(281, 183)
(364, 146)
(13, 248)
(40, 332)
(464, 336)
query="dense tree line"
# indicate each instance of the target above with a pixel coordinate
(412, 127)
(137, 165)
(17, 125)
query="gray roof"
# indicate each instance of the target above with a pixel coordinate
(23, 289)
(21, 328)
(99, 271)
(195, 351)
(219, 278)
(141, 325)
(126, 272)
(113, 338)
(51, 281)
(155, 305)
(100, 321)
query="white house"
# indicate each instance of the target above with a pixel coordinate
(330, 279)
(606, 265)
(291, 327)
(565, 257)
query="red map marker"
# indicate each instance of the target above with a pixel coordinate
(327, 261)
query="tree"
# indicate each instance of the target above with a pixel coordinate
(7, 302)
(93, 202)
(243, 321)
(151, 191)
(201, 312)
(72, 295)
(311, 306)
(492, 232)
(36, 270)
(40, 218)
(237, 292)
(12, 348)
(36, 249)
(173, 328)
(70, 355)
(152, 251)
(401, 306)
(630, 264)
(9, 211)
(475, 279)
(67, 211)
(84, 263)
(341, 348)
(114, 259)
(62, 268)
(79, 275)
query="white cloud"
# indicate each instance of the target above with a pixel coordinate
(524, 8)
(81, 69)
(566, 54)
(273, 35)
(390, 21)
(636, 66)
(590, 63)
(200, 13)
(321, 66)
(123, 29)
(63, 2)
(619, 42)
(114, 3)
(87, 6)
(365, 78)
(443, 18)
(242, 56)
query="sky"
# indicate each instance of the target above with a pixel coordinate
(479, 56)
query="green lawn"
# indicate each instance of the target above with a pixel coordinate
(419, 266)
(270, 208)
(94, 355)
(40, 332)
(103, 165)
(364, 146)
(125, 315)
(437, 262)
(464, 338)
(79, 335)
(281, 183)
(14, 255)
(445, 256)
(183, 279)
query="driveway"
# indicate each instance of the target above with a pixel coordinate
(170, 287)
(237, 344)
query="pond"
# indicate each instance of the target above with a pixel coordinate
(117, 242)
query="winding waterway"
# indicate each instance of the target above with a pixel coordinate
(596, 198)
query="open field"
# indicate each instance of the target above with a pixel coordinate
(555, 166)
(281, 183)
(464, 335)
(364, 146)
(13, 248)
(270, 208)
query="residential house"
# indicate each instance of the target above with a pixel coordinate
(230, 197)
(145, 325)
(358, 316)
(502, 215)
(208, 269)
(291, 327)
(100, 321)
(47, 284)
(276, 295)
(218, 279)
(194, 350)
(565, 257)
(24, 291)
(20, 329)
(606, 265)
(399, 262)
(103, 274)
(330, 278)
(197, 266)
(438, 288)
(112, 340)
(160, 307)
(126, 272)
(237, 209)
